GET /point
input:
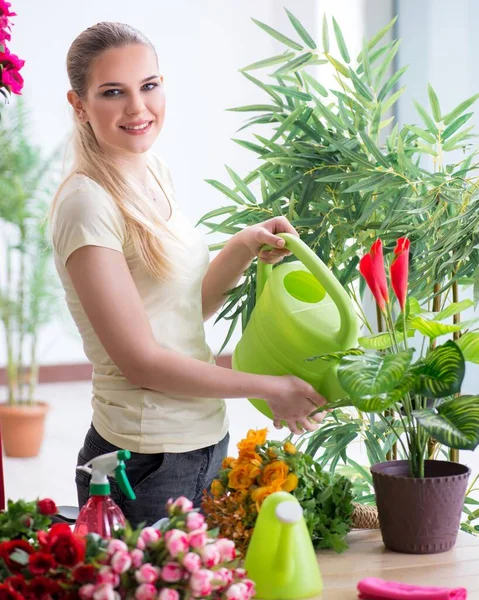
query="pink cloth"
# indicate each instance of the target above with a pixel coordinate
(372, 588)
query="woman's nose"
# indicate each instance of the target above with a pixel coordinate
(135, 104)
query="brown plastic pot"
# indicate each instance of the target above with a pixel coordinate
(420, 516)
(23, 428)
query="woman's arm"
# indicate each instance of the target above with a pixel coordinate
(113, 306)
(229, 265)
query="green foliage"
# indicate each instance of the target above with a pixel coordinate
(21, 520)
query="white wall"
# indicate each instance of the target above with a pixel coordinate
(201, 46)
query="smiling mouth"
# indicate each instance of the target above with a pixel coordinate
(141, 127)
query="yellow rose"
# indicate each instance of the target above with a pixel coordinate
(290, 448)
(228, 462)
(240, 496)
(253, 438)
(260, 494)
(290, 483)
(275, 471)
(217, 488)
(242, 477)
(249, 457)
(272, 452)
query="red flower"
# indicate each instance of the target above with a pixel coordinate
(42, 588)
(7, 548)
(47, 507)
(67, 549)
(84, 574)
(17, 583)
(400, 269)
(371, 267)
(8, 593)
(10, 75)
(40, 563)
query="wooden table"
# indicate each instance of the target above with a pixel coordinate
(367, 557)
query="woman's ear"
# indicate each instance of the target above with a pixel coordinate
(77, 105)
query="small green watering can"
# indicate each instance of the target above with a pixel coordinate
(301, 311)
(280, 558)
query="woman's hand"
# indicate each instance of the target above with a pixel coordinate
(256, 236)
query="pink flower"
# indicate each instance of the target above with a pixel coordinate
(166, 594)
(5, 9)
(145, 591)
(210, 555)
(171, 572)
(194, 521)
(176, 542)
(137, 558)
(115, 546)
(86, 591)
(227, 549)
(192, 562)
(238, 591)
(147, 573)
(223, 577)
(150, 535)
(200, 583)
(104, 591)
(140, 544)
(10, 75)
(197, 538)
(108, 576)
(251, 587)
(239, 573)
(182, 504)
(120, 562)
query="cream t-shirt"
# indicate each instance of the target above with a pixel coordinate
(126, 415)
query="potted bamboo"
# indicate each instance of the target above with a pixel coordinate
(28, 290)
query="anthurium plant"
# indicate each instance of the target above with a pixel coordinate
(389, 377)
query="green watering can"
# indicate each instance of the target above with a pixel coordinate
(280, 558)
(301, 311)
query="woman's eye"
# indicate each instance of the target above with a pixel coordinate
(153, 86)
(111, 93)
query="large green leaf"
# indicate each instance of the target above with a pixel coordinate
(441, 372)
(432, 329)
(382, 341)
(469, 344)
(454, 423)
(372, 374)
(372, 403)
(453, 309)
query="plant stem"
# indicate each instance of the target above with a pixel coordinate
(9, 327)
(454, 452)
(21, 315)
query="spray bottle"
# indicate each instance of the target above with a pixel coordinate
(100, 514)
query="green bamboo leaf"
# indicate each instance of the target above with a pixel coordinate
(250, 146)
(383, 69)
(434, 101)
(269, 62)
(263, 86)
(338, 66)
(241, 186)
(303, 34)
(374, 150)
(325, 35)
(425, 135)
(284, 189)
(226, 190)
(452, 143)
(372, 374)
(380, 34)
(469, 344)
(390, 83)
(454, 423)
(216, 213)
(455, 125)
(231, 330)
(359, 85)
(393, 99)
(341, 43)
(279, 36)
(441, 372)
(288, 161)
(294, 93)
(366, 64)
(453, 309)
(256, 107)
(295, 64)
(288, 122)
(428, 122)
(369, 184)
(451, 116)
(330, 116)
(314, 83)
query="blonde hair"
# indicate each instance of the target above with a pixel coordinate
(144, 226)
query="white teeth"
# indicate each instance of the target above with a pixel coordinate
(137, 126)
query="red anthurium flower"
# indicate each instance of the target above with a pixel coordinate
(371, 267)
(400, 270)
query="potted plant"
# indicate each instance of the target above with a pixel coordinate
(419, 500)
(27, 284)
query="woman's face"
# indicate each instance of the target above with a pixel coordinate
(125, 103)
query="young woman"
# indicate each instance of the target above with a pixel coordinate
(139, 285)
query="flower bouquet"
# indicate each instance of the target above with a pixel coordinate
(10, 79)
(177, 562)
(264, 467)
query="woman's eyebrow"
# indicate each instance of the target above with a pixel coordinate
(115, 83)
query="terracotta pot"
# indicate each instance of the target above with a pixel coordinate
(420, 516)
(22, 428)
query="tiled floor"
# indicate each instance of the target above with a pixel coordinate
(51, 473)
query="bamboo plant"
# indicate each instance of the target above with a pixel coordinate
(28, 291)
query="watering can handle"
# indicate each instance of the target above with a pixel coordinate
(323, 275)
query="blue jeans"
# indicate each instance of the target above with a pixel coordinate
(154, 477)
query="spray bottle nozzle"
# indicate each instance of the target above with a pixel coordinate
(109, 464)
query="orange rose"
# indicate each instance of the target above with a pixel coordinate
(228, 462)
(249, 457)
(242, 477)
(260, 494)
(240, 496)
(275, 471)
(290, 448)
(217, 488)
(290, 483)
(253, 438)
